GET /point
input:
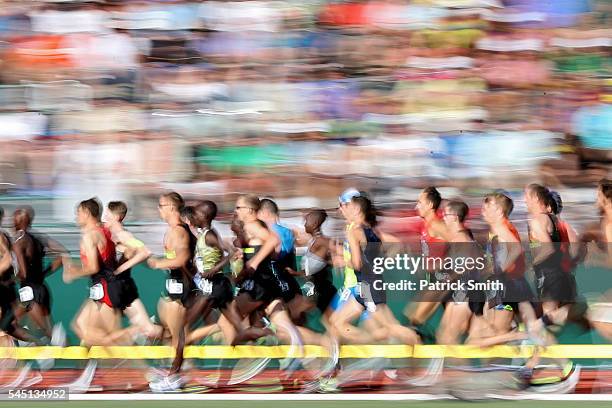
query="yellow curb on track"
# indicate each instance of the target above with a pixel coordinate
(361, 351)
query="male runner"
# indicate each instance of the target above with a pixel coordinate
(508, 265)
(284, 257)
(466, 307)
(179, 247)
(215, 289)
(29, 252)
(8, 290)
(316, 265)
(124, 293)
(259, 288)
(601, 313)
(434, 235)
(98, 317)
(556, 287)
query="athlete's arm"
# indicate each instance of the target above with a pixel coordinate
(53, 247)
(577, 250)
(301, 237)
(92, 266)
(212, 240)
(178, 241)
(513, 248)
(6, 260)
(355, 247)
(321, 247)
(136, 249)
(539, 231)
(270, 242)
(608, 243)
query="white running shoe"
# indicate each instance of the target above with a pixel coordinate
(58, 336)
(168, 383)
(23, 374)
(82, 384)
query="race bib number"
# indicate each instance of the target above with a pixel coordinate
(346, 293)
(14, 264)
(359, 290)
(459, 296)
(370, 307)
(284, 286)
(248, 284)
(96, 292)
(205, 286)
(540, 282)
(199, 263)
(308, 289)
(26, 294)
(174, 287)
(441, 276)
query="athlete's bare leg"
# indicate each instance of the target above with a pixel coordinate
(95, 323)
(40, 317)
(342, 329)
(455, 322)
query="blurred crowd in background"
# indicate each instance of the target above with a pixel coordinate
(300, 99)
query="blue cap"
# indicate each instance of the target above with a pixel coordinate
(348, 195)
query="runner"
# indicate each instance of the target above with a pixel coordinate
(349, 289)
(556, 287)
(464, 312)
(284, 257)
(259, 287)
(365, 241)
(98, 318)
(433, 237)
(34, 294)
(179, 248)
(8, 291)
(572, 252)
(600, 314)
(215, 289)
(507, 259)
(124, 293)
(316, 265)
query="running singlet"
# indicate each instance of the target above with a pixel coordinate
(262, 285)
(107, 265)
(567, 264)
(8, 294)
(499, 253)
(350, 279)
(35, 262)
(552, 281)
(554, 260)
(431, 246)
(286, 238)
(206, 257)
(33, 288)
(366, 277)
(8, 277)
(319, 286)
(123, 288)
(287, 283)
(132, 243)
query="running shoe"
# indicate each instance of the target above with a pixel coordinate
(170, 383)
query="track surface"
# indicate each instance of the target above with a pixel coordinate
(120, 380)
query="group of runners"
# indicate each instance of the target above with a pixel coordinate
(252, 279)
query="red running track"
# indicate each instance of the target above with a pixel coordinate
(119, 380)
